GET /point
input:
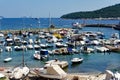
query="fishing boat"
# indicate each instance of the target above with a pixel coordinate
(7, 59)
(77, 60)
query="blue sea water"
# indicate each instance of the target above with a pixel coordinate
(95, 62)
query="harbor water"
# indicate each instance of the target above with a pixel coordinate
(93, 62)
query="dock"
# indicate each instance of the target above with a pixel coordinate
(101, 25)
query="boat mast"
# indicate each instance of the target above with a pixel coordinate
(49, 20)
(39, 22)
(23, 62)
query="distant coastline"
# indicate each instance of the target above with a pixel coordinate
(110, 12)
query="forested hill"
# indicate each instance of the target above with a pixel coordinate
(107, 12)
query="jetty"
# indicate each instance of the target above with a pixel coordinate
(100, 25)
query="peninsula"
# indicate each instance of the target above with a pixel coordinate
(112, 12)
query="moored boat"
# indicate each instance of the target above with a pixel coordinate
(19, 73)
(113, 48)
(37, 56)
(77, 60)
(77, 25)
(7, 59)
(62, 64)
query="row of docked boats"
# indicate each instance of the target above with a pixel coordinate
(61, 46)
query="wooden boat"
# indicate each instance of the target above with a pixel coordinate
(8, 59)
(113, 48)
(77, 60)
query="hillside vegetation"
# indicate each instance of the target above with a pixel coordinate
(107, 12)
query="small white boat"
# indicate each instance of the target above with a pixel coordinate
(19, 73)
(30, 41)
(8, 48)
(77, 25)
(30, 47)
(2, 75)
(101, 49)
(18, 48)
(7, 59)
(37, 47)
(1, 50)
(37, 56)
(77, 60)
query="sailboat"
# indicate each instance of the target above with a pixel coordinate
(20, 72)
(50, 23)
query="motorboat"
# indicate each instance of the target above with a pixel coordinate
(37, 47)
(77, 60)
(7, 59)
(43, 46)
(1, 50)
(18, 48)
(102, 49)
(19, 73)
(77, 25)
(8, 48)
(53, 72)
(62, 64)
(30, 47)
(113, 48)
(37, 56)
(30, 41)
(60, 45)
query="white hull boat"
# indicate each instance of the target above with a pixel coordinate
(8, 59)
(37, 56)
(77, 60)
(19, 73)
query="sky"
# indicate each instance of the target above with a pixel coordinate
(54, 8)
